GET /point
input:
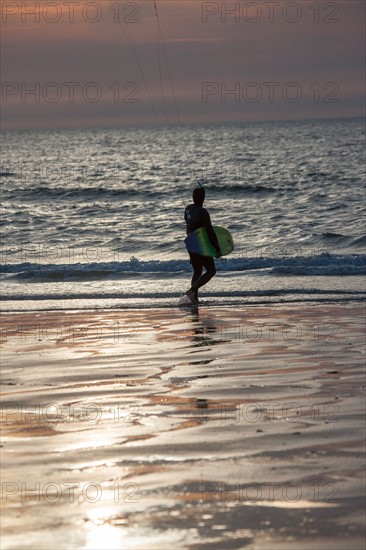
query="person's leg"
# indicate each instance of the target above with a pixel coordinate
(196, 262)
(209, 265)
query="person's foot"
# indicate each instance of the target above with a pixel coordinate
(190, 295)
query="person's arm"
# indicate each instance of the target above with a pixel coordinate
(211, 233)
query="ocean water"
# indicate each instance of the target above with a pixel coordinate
(93, 218)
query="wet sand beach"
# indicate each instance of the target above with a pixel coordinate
(186, 428)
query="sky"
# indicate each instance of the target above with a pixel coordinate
(69, 64)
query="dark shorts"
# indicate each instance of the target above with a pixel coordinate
(198, 261)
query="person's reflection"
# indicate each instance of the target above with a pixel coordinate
(205, 332)
(203, 329)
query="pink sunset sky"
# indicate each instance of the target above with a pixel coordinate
(86, 64)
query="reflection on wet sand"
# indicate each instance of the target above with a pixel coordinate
(202, 329)
(203, 428)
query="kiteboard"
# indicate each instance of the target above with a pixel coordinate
(198, 242)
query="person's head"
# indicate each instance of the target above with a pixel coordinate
(198, 196)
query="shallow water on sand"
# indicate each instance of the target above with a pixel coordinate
(196, 428)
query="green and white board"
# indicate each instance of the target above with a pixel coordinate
(198, 242)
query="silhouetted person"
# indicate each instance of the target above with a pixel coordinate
(196, 216)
